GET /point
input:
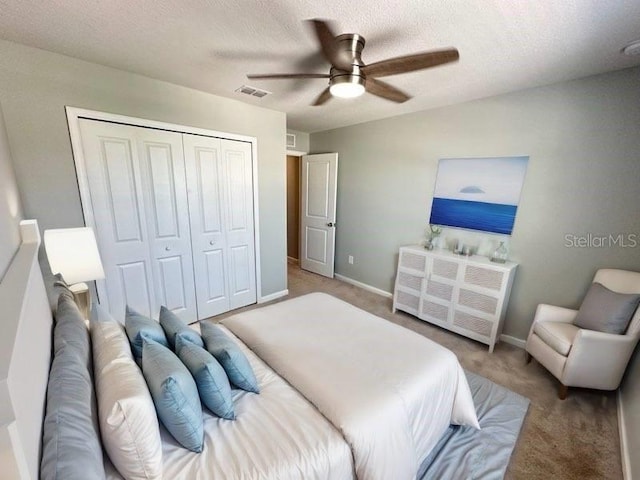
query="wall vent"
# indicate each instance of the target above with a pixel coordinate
(291, 140)
(253, 91)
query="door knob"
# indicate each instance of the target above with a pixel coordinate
(212, 242)
(167, 248)
(331, 224)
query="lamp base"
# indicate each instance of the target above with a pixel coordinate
(82, 296)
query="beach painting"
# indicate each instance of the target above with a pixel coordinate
(478, 193)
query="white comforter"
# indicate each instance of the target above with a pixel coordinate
(391, 392)
(278, 435)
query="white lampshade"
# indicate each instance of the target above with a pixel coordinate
(73, 252)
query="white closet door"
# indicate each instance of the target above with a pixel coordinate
(238, 191)
(136, 179)
(203, 162)
(165, 196)
(220, 186)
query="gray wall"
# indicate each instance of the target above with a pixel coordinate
(583, 177)
(35, 86)
(302, 140)
(10, 208)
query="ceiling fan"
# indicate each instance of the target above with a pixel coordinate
(350, 76)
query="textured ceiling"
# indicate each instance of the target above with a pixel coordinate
(504, 45)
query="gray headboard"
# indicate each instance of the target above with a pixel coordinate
(25, 356)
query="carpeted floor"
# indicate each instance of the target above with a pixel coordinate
(572, 439)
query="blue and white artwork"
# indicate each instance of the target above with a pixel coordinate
(478, 193)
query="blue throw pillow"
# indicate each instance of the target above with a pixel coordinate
(227, 352)
(174, 327)
(138, 327)
(71, 446)
(211, 380)
(174, 394)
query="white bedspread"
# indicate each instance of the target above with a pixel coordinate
(277, 435)
(391, 392)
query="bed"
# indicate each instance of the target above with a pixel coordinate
(314, 417)
(391, 392)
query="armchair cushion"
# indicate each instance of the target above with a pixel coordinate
(558, 335)
(606, 311)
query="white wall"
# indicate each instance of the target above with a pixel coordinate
(36, 85)
(10, 207)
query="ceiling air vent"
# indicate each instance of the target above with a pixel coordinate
(254, 92)
(291, 140)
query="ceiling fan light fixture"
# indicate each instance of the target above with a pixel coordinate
(347, 86)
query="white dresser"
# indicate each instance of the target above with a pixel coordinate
(467, 295)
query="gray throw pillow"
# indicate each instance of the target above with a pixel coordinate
(606, 311)
(71, 447)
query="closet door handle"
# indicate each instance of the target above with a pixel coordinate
(167, 249)
(212, 242)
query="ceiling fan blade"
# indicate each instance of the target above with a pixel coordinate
(289, 75)
(410, 63)
(328, 45)
(322, 98)
(384, 90)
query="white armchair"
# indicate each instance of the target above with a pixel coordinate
(579, 357)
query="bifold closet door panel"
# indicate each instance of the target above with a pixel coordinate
(138, 195)
(238, 190)
(166, 205)
(203, 164)
(219, 178)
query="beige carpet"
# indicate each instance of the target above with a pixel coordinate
(572, 439)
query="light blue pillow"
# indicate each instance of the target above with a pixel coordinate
(174, 394)
(211, 380)
(174, 327)
(138, 327)
(227, 352)
(71, 446)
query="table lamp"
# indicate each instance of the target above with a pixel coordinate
(73, 253)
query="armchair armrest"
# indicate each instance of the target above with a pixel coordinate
(598, 360)
(551, 313)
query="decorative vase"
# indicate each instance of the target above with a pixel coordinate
(501, 254)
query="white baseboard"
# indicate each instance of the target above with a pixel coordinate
(364, 286)
(273, 296)
(517, 342)
(624, 447)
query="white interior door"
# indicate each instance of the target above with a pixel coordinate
(318, 213)
(220, 186)
(138, 194)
